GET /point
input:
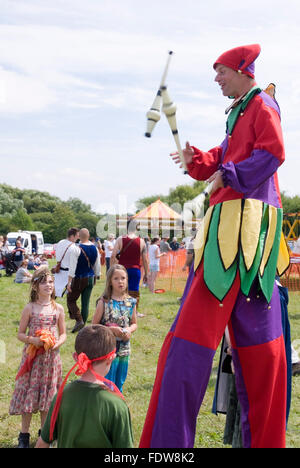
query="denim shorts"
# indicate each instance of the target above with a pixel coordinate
(154, 267)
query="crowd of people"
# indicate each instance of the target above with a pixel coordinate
(18, 261)
(78, 266)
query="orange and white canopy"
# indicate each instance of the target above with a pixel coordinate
(158, 210)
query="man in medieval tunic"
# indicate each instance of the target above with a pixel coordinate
(237, 256)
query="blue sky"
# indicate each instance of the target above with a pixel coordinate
(77, 78)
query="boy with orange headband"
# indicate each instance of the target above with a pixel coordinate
(90, 412)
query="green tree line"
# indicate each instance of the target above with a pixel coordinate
(35, 210)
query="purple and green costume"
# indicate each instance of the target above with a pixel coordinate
(238, 251)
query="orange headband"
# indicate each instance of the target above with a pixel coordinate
(84, 364)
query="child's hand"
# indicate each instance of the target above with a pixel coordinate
(56, 346)
(117, 331)
(36, 342)
(126, 334)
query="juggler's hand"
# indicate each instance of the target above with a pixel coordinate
(188, 154)
(217, 179)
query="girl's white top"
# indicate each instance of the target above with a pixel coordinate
(153, 251)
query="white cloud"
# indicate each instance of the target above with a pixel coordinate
(22, 94)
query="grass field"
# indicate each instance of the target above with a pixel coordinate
(159, 310)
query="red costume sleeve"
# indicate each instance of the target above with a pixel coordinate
(204, 164)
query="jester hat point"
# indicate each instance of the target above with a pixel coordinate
(240, 59)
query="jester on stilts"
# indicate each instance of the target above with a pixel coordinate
(238, 252)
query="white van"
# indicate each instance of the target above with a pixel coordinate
(32, 241)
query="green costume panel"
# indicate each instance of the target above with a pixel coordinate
(229, 243)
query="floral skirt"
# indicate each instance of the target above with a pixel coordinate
(35, 390)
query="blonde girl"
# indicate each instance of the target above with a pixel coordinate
(117, 310)
(40, 372)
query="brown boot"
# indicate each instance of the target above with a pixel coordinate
(78, 326)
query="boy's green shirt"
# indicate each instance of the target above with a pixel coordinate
(90, 417)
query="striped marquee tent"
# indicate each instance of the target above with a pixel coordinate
(158, 216)
(157, 210)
